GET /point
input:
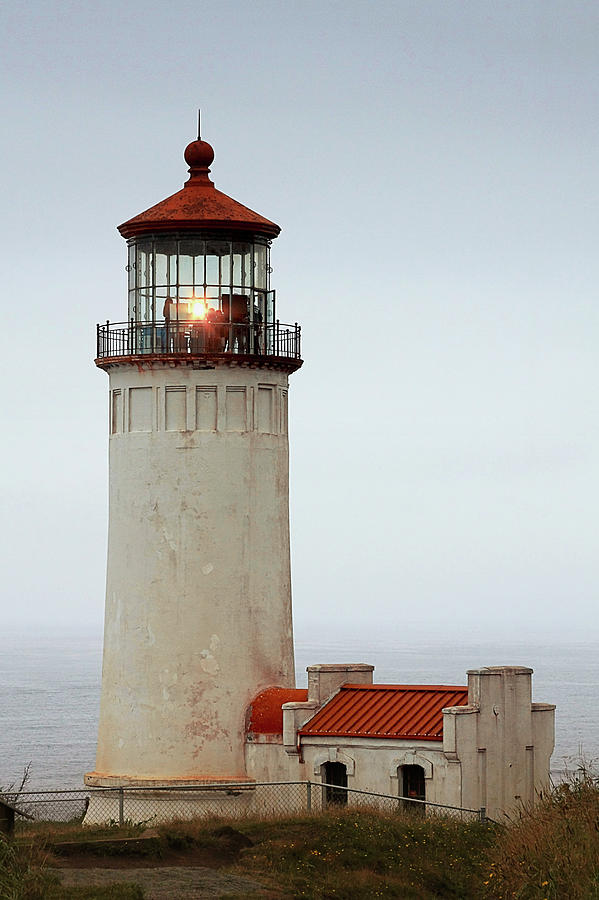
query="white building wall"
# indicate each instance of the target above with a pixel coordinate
(372, 765)
(543, 735)
(502, 740)
(198, 599)
(267, 761)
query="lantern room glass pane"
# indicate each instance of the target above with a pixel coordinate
(225, 268)
(144, 264)
(187, 251)
(131, 267)
(144, 306)
(212, 266)
(212, 295)
(165, 259)
(163, 295)
(199, 261)
(183, 308)
(160, 267)
(260, 264)
(242, 259)
(173, 279)
(236, 268)
(217, 262)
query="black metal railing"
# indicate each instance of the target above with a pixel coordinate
(197, 338)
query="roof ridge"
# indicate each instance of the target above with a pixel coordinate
(404, 687)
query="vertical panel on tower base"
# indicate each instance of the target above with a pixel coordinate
(116, 424)
(140, 409)
(175, 409)
(265, 409)
(206, 408)
(284, 426)
(236, 409)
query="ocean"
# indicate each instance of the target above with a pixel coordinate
(50, 690)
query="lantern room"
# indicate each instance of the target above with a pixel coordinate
(185, 276)
(198, 273)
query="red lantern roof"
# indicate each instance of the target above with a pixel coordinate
(198, 206)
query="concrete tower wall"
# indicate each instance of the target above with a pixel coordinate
(198, 599)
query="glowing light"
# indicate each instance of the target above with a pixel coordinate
(199, 308)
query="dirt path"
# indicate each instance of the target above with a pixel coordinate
(167, 882)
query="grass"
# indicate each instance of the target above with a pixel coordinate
(549, 853)
(342, 854)
(110, 892)
(369, 854)
(74, 830)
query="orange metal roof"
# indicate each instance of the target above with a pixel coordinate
(265, 714)
(198, 206)
(386, 711)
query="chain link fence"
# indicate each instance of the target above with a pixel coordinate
(136, 806)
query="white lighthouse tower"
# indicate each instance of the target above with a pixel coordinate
(198, 595)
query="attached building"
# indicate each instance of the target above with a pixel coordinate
(481, 745)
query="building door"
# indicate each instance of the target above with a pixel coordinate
(335, 776)
(411, 781)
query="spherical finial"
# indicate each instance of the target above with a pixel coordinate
(199, 155)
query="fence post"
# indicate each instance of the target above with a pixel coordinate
(482, 815)
(121, 806)
(308, 795)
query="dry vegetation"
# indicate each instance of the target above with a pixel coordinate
(552, 851)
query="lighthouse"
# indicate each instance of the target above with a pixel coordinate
(198, 591)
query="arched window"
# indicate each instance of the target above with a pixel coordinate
(412, 787)
(334, 775)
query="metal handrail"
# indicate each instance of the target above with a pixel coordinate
(396, 797)
(197, 337)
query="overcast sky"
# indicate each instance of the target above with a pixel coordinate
(433, 166)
